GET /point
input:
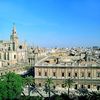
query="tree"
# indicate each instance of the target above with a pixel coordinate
(56, 97)
(30, 81)
(93, 96)
(65, 96)
(83, 91)
(68, 82)
(3, 90)
(11, 86)
(48, 84)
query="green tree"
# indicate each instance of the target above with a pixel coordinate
(83, 91)
(48, 85)
(3, 90)
(11, 86)
(93, 96)
(68, 82)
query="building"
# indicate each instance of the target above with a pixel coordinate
(84, 73)
(15, 56)
(81, 65)
(12, 52)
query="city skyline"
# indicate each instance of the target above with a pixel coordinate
(51, 23)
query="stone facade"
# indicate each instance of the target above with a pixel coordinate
(82, 67)
(12, 52)
(83, 76)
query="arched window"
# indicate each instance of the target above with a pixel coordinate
(13, 46)
(9, 48)
(0, 55)
(8, 56)
(4, 56)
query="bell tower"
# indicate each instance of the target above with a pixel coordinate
(14, 38)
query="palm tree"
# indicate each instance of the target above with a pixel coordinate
(48, 84)
(94, 96)
(29, 80)
(68, 82)
(83, 91)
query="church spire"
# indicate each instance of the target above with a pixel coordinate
(14, 37)
(14, 29)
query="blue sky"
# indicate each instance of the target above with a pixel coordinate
(50, 23)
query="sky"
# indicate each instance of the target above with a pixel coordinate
(52, 23)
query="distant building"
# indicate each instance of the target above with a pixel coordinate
(12, 52)
(84, 73)
(81, 65)
(15, 56)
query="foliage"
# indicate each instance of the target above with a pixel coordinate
(49, 81)
(54, 97)
(30, 98)
(94, 96)
(83, 91)
(82, 97)
(48, 85)
(68, 82)
(30, 81)
(11, 86)
(65, 96)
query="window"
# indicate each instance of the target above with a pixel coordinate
(4, 56)
(0, 55)
(8, 56)
(14, 56)
(54, 87)
(9, 48)
(69, 74)
(62, 74)
(98, 87)
(54, 74)
(89, 74)
(63, 85)
(98, 74)
(45, 74)
(75, 74)
(88, 86)
(13, 46)
(75, 86)
(39, 73)
(1, 74)
(20, 47)
(82, 74)
(82, 86)
(29, 60)
(8, 63)
(39, 84)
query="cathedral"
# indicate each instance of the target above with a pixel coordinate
(12, 52)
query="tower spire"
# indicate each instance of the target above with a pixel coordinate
(14, 37)
(14, 29)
